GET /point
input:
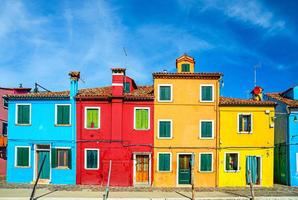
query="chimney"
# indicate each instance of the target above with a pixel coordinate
(74, 78)
(257, 93)
(118, 75)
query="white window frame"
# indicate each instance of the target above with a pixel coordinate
(16, 156)
(85, 158)
(63, 148)
(296, 161)
(3, 100)
(85, 117)
(201, 93)
(134, 118)
(171, 131)
(238, 167)
(200, 129)
(158, 153)
(16, 113)
(251, 121)
(212, 162)
(56, 112)
(171, 88)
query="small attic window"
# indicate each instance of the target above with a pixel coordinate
(185, 68)
(126, 87)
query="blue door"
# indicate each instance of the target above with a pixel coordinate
(45, 172)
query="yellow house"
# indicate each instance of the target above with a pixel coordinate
(186, 126)
(246, 142)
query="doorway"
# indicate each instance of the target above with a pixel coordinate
(142, 167)
(43, 153)
(184, 169)
(253, 165)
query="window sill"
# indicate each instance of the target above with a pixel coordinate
(91, 129)
(244, 132)
(164, 171)
(57, 125)
(141, 129)
(62, 168)
(206, 138)
(23, 124)
(205, 172)
(91, 169)
(164, 138)
(203, 101)
(22, 167)
(232, 171)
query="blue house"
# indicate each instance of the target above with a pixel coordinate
(42, 126)
(286, 136)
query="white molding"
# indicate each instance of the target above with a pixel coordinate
(158, 89)
(117, 73)
(251, 121)
(201, 93)
(35, 170)
(134, 167)
(171, 131)
(15, 156)
(157, 161)
(85, 158)
(16, 113)
(225, 160)
(297, 162)
(200, 129)
(177, 166)
(117, 84)
(134, 118)
(85, 117)
(56, 111)
(212, 163)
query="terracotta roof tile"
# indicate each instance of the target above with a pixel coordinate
(170, 75)
(281, 98)
(50, 95)
(227, 101)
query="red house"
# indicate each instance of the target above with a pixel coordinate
(115, 123)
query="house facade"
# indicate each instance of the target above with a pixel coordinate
(286, 136)
(115, 133)
(246, 142)
(42, 129)
(186, 126)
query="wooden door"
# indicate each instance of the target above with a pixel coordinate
(45, 172)
(184, 176)
(142, 168)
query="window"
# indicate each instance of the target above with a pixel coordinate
(141, 119)
(62, 115)
(206, 93)
(126, 87)
(185, 67)
(232, 162)
(61, 158)
(206, 129)
(165, 93)
(206, 162)
(164, 162)
(5, 103)
(92, 117)
(164, 128)
(22, 157)
(4, 128)
(91, 159)
(23, 113)
(244, 123)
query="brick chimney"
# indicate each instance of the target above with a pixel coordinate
(118, 75)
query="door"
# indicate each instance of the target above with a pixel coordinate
(184, 171)
(253, 166)
(142, 168)
(45, 173)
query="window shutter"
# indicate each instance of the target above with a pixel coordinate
(59, 115)
(249, 123)
(69, 158)
(240, 123)
(138, 119)
(54, 157)
(164, 162)
(95, 117)
(145, 119)
(160, 163)
(66, 110)
(20, 114)
(22, 156)
(161, 129)
(26, 114)
(167, 93)
(228, 162)
(167, 129)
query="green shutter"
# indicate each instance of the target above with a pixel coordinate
(127, 87)
(92, 159)
(164, 129)
(23, 114)
(22, 156)
(138, 119)
(240, 123)
(206, 129)
(54, 157)
(69, 158)
(228, 166)
(92, 118)
(164, 162)
(142, 119)
(165, 93)
(207, 93)
(206, 162)
(185, 68)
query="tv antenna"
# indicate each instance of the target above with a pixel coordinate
(255, 73)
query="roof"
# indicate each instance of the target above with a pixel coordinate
(279, 96)
(169, 75)
(141, 93)
(227, 101)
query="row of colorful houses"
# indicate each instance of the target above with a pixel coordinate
(177, 132)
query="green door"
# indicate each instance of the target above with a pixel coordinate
(184, 176)
(45, 173)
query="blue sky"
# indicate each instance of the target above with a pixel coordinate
(41, 41)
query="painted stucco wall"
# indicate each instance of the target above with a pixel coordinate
(42, 130)
(185, 111)
(293, 152)
(259, 143)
